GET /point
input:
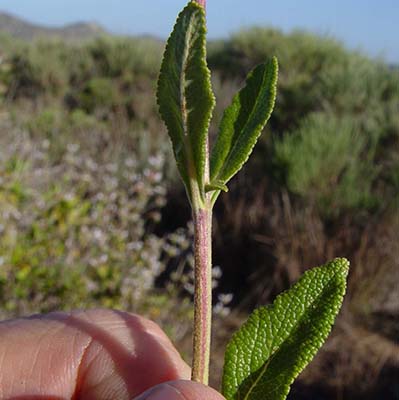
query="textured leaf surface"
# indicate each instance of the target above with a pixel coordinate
(278, 341)
(185, 96)
(243, 122)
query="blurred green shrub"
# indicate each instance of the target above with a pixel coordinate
(327, 161)
(38, 70)
(127, 58)
(98, 93)
(46, 123)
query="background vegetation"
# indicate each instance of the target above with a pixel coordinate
(92, 213)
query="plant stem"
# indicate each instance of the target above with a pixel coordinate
(202, 217)
(203, 294)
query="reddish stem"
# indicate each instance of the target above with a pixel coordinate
(203, 284)
(203, 294)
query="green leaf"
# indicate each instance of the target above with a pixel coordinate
(243, 122)
(277, 342)
(185, 96)
(216, 186)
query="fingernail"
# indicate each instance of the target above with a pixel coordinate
(162, 392)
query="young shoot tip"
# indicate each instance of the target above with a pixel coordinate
(202, 3)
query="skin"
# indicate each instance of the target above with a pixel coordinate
(97, 354)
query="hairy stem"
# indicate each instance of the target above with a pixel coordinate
(202, 295)
(203, 282)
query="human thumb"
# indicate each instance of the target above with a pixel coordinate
(180, 390)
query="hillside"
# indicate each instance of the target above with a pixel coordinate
(19, 28)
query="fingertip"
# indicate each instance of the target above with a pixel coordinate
(181, 390)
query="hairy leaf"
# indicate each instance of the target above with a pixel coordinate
(243, 122)
(278, 341)
(185, 96)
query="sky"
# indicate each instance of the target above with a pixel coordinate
(368, 25)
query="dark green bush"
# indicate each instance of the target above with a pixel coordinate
(98, 93)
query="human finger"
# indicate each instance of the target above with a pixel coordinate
(97, 354)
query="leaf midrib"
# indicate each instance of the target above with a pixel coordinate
(183, 104)
(260, 375)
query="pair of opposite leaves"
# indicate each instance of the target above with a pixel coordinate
(186, 102)
(277, 342)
